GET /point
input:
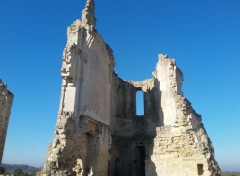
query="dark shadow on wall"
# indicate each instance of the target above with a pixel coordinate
(154, 118)
(133, 136)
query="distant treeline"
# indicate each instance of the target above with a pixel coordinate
(18, 170)
(25, 170)
(230, 173)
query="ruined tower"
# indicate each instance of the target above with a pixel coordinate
(6, 99)
(98, 132)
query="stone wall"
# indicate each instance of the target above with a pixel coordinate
(6, 99)
(181, 145)
(98, 131)
(82, 138)
(170, 136)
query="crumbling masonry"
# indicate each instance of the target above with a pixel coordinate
(98, 132)
(6, 99)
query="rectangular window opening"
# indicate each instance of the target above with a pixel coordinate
(200, 169)
(140, 103)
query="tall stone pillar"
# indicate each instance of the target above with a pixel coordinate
(6, 99)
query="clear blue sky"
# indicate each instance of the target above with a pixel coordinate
(203, 36)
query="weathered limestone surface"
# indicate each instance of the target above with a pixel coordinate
(98, 132)
(6, 99)
(181, 145)
(82, 138)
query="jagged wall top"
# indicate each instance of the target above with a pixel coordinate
(3, 88)
(88, 16)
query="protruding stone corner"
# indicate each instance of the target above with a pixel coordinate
(88, 16)
(164, 57)
(74, 26)
(1, 83)
(4, 89)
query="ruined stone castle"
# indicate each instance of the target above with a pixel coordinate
(98, 132)
(6, 99)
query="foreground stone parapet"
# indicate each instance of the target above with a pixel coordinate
(6, 99)
(98, 131)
